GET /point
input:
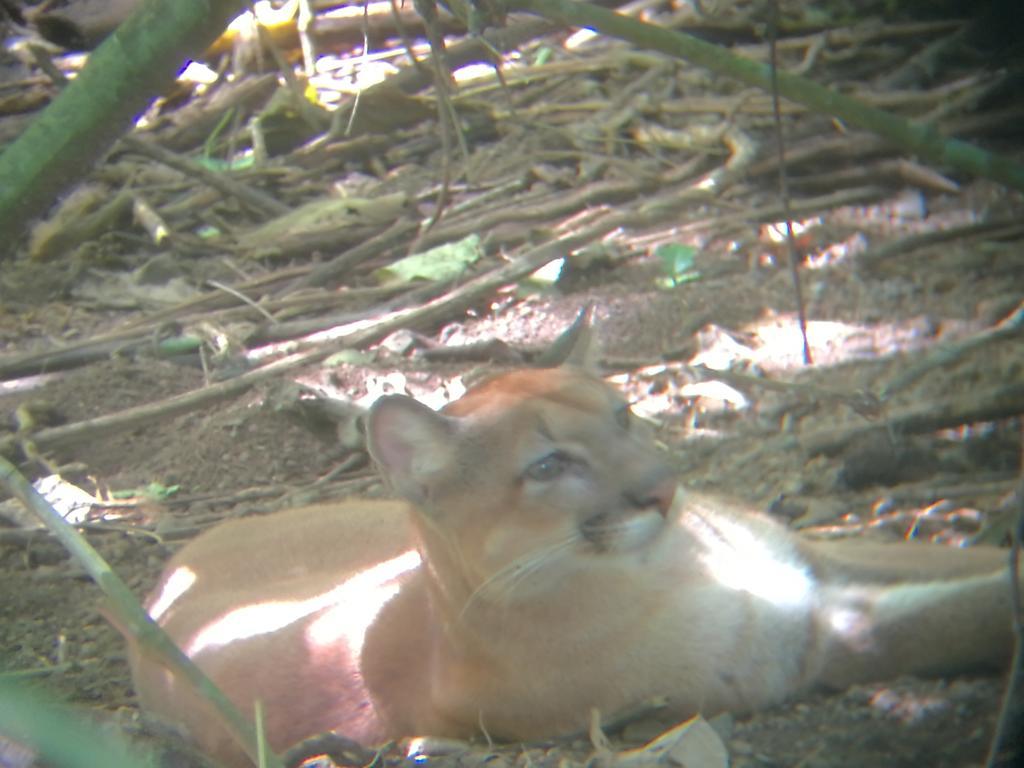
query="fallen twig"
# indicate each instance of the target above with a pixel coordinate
(918, 138)
(216, 306)
(997, 228)
(1010, 327)
(995, 403)
(259, 201)
(330, 271)
(315, 349)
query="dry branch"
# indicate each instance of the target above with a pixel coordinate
(998, 228)
(992, 404)
(912, 137)
(358, 334)
(942, 355)
(259, 201)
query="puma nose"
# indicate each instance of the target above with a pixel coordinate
(658, 493)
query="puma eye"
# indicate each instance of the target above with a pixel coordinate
(547, 468)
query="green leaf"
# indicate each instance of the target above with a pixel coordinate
(677, 262)
(349, 356)
(155, 490)
(445, 262)
(207, 232)
(219, 166)
(160, 491)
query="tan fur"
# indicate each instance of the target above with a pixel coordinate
(563, 571)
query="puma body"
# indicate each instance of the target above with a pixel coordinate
(543, 563)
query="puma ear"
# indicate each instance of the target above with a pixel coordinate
(409, 442)
(577, 345)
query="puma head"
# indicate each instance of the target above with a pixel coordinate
(529, 468)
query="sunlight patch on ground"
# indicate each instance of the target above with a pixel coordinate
(781, 343)
(769, 348)
(346, 75)
(774, 343)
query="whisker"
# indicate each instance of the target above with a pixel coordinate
(503, 582)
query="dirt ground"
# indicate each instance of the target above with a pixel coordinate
(769, 432)
(50, 619)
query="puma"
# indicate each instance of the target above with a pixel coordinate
(544, 562)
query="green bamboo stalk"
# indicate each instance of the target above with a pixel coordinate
(136, 63)
(129, 613)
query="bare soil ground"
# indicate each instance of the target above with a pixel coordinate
(902, 427)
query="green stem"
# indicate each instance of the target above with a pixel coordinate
(129, 613)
